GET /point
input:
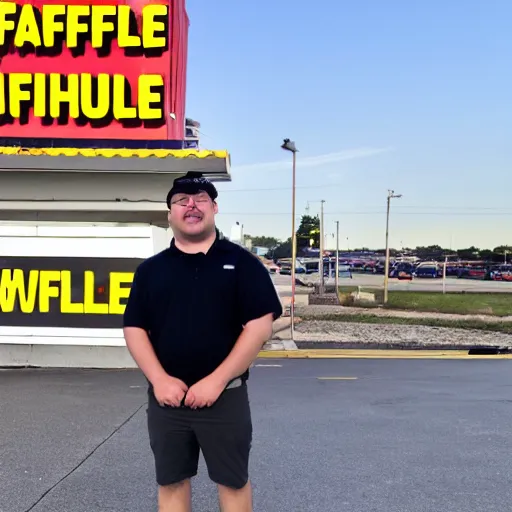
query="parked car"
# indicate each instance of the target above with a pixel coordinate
(425, 271)
(470, 272)
(404, 270)
(286, 270)
(500, 273)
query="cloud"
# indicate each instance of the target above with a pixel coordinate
(315, 161)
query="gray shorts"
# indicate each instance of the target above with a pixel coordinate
(223, 432)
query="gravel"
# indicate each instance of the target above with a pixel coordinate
(391, 334)
(318, 310)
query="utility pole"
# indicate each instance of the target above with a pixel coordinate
(321, 262)
(337, 266)
(391, 195)
(444, 274)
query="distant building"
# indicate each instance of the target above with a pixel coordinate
(237, 234)
(260, 251)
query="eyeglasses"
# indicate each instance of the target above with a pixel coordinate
(198, 199)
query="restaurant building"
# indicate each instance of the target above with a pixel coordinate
(93, 132)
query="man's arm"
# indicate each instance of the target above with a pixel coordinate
(167, 390)
(259, 306)
(136, 325)
(142, 351)
(255, 334)
(246, 349)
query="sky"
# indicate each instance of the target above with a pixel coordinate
(401, 95)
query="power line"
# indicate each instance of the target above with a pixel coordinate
(273, 189)
(381, 212)
(469, 211)
(456, 207)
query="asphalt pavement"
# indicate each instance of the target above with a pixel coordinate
(390, 435)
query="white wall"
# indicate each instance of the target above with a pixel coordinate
(106, 242)
(84, 197)
(104, 186)
(17, 239)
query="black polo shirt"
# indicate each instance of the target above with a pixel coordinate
(194, 306)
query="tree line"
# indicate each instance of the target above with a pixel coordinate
(308, 236)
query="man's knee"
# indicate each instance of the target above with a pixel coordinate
(233, 484)
(236, 498)
(234, 487)
(174, 487)
(176, 494)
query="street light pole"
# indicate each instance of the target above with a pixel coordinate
(289, 145)
(391, 195)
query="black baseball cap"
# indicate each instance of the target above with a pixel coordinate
(192, 183)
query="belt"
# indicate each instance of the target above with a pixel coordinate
(235, 383)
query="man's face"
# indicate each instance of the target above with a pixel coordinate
(192, 214)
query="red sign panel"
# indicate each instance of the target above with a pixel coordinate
(93, 69)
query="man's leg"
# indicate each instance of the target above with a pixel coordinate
(235, 500)
(175, 497)
(224, 432)
(176, 455)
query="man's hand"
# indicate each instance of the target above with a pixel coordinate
(205, 392)
(169, 391)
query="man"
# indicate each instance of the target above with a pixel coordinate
(198, 314)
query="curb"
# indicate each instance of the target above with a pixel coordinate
(340, 345)
(471, 353)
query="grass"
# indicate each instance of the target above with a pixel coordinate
(496, 304)
(474, 303)
(482, 325)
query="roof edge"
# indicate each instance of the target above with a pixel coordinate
(114, 152)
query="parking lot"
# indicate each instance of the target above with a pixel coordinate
(453, 284)
(330, 435)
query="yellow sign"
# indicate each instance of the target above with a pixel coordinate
(35, 293)
(65, 296)
(81, 29)
(76, 95)
(80, 19)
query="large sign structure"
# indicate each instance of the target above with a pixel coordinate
(92, 114)
(65, 292)
(92, 69)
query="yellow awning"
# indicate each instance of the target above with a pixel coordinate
(212, 163)
(114, 152)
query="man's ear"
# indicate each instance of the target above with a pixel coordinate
(215, 207)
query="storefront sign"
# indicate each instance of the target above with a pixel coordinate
(85, 68)
(65, 292)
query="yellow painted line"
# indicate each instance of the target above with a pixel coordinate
(375, 354)
(337, 378)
